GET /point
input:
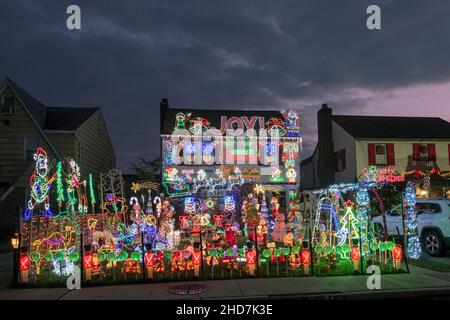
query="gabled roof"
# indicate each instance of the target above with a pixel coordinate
(33, 105)
(310, 158)
(61, 118)
(50, 118)
(367, 127)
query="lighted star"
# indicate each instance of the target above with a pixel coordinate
(135, 187)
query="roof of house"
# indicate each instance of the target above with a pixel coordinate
(51, 118)
(310, 158)
(394, 127)
(60, 118)
(33, 105)
(213, 116)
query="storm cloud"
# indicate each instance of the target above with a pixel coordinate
(221, 54)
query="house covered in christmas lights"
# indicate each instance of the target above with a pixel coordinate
(214, 153)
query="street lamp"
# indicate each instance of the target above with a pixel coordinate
(15, 243)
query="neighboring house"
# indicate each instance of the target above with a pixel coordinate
(25, 124)
(349, 144)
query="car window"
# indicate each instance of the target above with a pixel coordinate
(426, 207)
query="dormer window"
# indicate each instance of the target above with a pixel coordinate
(7, 105)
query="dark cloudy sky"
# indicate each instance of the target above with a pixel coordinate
(232, 53)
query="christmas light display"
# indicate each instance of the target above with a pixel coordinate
(414, 249)
(40, 184)
(164, 237)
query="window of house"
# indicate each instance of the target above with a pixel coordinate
(7, 105)
(424, 151)
(341, 164)
(380, 154)
(31, 144)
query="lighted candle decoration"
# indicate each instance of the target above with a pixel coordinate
(397, 255)
(305, 258)
(24, 265)
(250, 257)
(196, 259)
(356, 256)
(87, 262)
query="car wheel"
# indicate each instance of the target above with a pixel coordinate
(433, 244)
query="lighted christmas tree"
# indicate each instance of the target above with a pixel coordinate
(348, 226)
(264, 209)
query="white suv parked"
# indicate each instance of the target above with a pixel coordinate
(433, 224)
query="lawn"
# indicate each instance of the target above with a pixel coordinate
(431, 265)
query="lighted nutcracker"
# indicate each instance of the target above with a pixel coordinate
(250, 257)
(196, 259)
(149, 260)
(24, 264)
(305, 258)
(397, 255)
(88, 262)
(356, 256)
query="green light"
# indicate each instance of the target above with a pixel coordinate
(346, 248)
(390, 245)
(373, 246)
(135, 256)
(318, 249)
(59, 255)
(168, 255)
(74, 256)
(213, 252)
(35, 256)
(111, 256)
(123, 255)
(267, 253)
(286, 251)
(91, 189)
(277, 252)
(48, 256)
(101, 256)
(230, 251)
(328, 250)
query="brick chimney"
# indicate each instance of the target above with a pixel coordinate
(326, 148)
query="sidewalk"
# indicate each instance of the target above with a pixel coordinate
(348, 287)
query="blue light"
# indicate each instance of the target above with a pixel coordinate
(27, 214)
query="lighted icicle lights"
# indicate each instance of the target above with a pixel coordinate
(414, 250)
